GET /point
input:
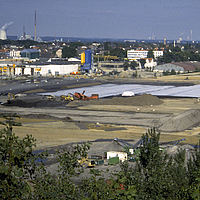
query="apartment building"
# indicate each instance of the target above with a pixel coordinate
(139, 54)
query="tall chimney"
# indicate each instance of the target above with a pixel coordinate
(35, 28)
(165, 41)
(24, 34)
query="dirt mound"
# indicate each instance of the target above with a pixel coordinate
(20, 103)
(72, 104)
(46, 116)
(142, 100)
(184, 121)
(28, 103)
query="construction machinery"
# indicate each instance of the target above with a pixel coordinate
(11, 95)
(66, 98)
(106, 58)
(86, 162)
(81, 96)
(50, 97)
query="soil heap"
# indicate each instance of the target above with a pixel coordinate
(183, 121)
(141, 100)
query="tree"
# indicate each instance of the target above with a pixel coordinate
(193, 172)
(173, 72)
(150, 54)
(68, 52)
(120, 53)
(106, 45)
(133, 64)
(126, 65)
(142, 62)
(158, 175)
(76, 44)
(17, 161)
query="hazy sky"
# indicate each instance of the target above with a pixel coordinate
(131, 19)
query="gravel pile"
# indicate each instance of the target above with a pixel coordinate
(185, 120)
(141, 100)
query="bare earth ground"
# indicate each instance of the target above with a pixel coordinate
(107, 118)
(55, 123)
(94, 120)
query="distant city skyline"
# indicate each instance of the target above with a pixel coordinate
(128, 19)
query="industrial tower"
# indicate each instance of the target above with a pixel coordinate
(35, 28)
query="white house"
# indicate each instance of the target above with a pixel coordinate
(59, 53)
(149, 64)
(15, 53)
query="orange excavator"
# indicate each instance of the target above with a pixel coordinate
(80, 96)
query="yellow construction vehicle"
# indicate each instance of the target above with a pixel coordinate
(106, 58)
(66, 98)
(9, 96)
(86, 162)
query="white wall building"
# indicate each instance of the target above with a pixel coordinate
(157, 54)
(59, 53)
(150, 64)
(122, 155)
(138, 54)
(15, 53)
(50, 69)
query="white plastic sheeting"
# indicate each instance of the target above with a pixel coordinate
(138, 89)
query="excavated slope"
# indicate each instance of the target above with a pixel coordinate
(185, 120)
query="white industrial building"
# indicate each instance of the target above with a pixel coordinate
(122, 155)
(180, 67)
(11, 67)
(50, 69)
(138, 54)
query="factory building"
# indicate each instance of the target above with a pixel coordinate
(86, 61)
(50, 69)
(15, 67)
(180, 67)
(29, 54)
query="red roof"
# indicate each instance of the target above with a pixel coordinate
(188, 66)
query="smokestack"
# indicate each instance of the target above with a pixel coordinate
(165, 41)
(35, 28)
(191, 35)
(24, 34)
